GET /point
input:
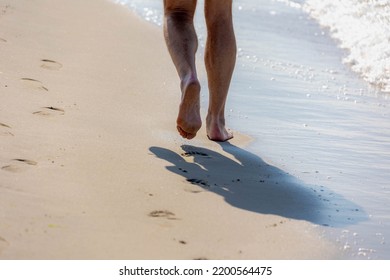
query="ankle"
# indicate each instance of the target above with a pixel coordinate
(215, 119)
(189, 81)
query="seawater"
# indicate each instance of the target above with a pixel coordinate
(363, 28)
(315, 99)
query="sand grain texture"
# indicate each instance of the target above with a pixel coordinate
(91, 165)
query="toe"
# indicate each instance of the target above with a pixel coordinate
(182, 132)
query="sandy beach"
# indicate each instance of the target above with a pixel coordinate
(91, 165)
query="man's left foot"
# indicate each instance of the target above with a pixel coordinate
(188, 120)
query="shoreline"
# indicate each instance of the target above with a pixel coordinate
(92, 166)
(286, 98)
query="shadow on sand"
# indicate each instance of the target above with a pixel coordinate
(248, 183)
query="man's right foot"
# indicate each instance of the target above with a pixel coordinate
(216, 130)
(188, 120)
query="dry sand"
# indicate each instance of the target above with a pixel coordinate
(91, 165)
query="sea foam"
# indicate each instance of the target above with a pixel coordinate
(362, 28)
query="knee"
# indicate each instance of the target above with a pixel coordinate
(218, 12)
(220, 20)
(220, 27)
(179, 10)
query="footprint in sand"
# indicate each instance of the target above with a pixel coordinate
(4, 130)
(49, 111)
(193, 189)
(19, 165)
(194, 153)
(4, 125)
(3, 244)
(162, 214)
(34, 84)
(50, 64)
(199, 182)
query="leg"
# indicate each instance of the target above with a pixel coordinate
(220, 58)
(182, 44)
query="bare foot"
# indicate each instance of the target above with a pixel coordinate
(188, 119)
(216, 130)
